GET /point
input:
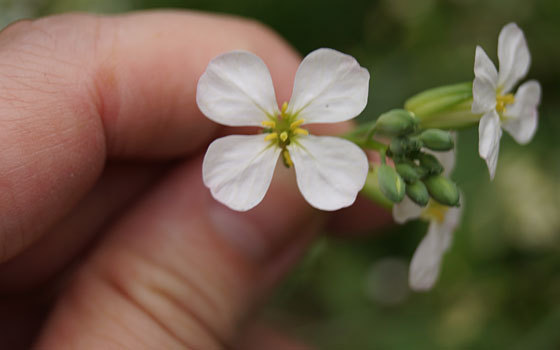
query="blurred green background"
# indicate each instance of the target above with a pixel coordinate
(500, 283)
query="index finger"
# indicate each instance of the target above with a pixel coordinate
(76, 89)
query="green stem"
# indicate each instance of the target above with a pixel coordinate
(363, 137)
(361, 129)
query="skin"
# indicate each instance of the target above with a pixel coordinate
(108, 238)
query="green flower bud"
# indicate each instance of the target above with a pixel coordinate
(396, 122)
(401, 146)
(437, 140)
(443, 190)
(418, 192)
(430, 164)
(390, 183)
(409, 172)
(447, 107)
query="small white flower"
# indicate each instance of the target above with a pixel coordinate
(426, 261)
(236, 90)
(492, 98)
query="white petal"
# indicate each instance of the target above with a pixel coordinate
(449, 224)
(485, 82)
(426, 261)
(238, 169)
(236, 90)
(513, 55)
(447, 159)
(406, 210)
(329, 87)
(523, 113)
(489, 134)
(329, 170)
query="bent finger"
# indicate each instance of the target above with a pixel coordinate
(77, 89)
(180, 270)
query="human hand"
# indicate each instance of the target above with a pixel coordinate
(102, 203)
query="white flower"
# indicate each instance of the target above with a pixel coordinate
(236, 90)
(492, 98)
(426, 261)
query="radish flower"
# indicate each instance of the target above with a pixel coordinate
(492, 96)
(426, 261)
(236, 90)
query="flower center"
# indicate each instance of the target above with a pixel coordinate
(282, 130)
(435, 211)
(502, 101)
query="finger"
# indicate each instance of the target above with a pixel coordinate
(360, 219)
(181, 270)
(261, 336)
(79, 88)
(119, 185)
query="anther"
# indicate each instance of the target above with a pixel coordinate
(502, 101)
(284, 136)
(300, 131)
(269, 124)
(296, 124)
(284, 107)
(271, 136)
(435, 211)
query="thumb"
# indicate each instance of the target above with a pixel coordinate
(181, 271)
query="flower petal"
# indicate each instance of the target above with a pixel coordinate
(447, 159)
(450, 223)
(426, 261)
(236, 90)
(238, 169)
(489, 134)
(406, 210)
(330, 171)
(523, 113)
(484, 85)
(513, 55)
(329, 87)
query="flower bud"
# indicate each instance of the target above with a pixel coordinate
(390, 183)
(396, 122)
(430, 164)
(447, 107)
(409, 172)
(437, 140)
(418, 192)
(401, 146)
(442, 190)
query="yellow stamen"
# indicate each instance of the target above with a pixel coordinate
(284, 107)
(435, 211)
(300, 131)
(296, 124)
(269, 124)
(287, 158)
(284, 136)
(271, 137)
(502, 101)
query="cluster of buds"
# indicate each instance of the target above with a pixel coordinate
(417, 173)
